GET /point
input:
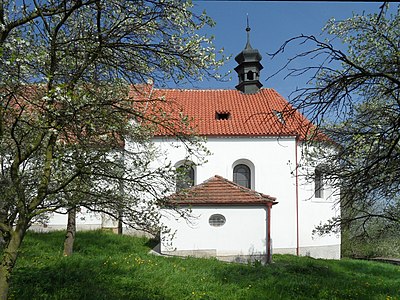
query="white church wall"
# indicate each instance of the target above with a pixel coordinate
(244, 232)
(273, 173)
(311, 214)
(85, 220)
(273, 160)
(314, 211)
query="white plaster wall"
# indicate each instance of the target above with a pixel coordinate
(85, 220)
(314, 211)
(274, 161)
(244, 232)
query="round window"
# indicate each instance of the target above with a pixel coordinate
(217, 220)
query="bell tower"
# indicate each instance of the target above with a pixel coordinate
(249, 67)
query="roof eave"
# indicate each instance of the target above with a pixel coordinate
(211, 203)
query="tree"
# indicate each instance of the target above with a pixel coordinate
(354, 98)
(66, 107)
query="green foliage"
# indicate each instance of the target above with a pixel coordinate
(67, 106)
(375, 245)
(107, 266)
(354, 98)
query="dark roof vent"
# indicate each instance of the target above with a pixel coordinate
(222, 115)
(279, 115)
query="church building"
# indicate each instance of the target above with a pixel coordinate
(255, 138)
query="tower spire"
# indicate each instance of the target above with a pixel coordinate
(248, 46)
(249, 67)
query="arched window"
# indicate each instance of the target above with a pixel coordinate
(184, 177)
(242, 175)
(318, 183)
(250, 75)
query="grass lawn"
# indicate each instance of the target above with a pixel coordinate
(108, 266)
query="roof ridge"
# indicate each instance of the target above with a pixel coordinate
(243, 188)
(206, 90)
(233, 184)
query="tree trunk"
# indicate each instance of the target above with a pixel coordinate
(120, 223)
(9, 257)
(71, 231)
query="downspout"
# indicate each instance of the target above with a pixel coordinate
(297, 199)
(269, 256)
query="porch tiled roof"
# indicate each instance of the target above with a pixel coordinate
(220, 191)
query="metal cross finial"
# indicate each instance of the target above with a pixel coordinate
(248, 33)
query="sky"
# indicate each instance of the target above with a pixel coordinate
(271, 23)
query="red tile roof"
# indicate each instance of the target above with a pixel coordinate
(249, 114)
(220, 191)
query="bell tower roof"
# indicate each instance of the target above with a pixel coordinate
(249, 67)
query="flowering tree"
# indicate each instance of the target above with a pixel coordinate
(354, 97)
(66, 107)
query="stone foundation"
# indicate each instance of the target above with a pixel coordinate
(326, 252)
(212, 253)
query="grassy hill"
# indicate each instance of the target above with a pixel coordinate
(108, 266)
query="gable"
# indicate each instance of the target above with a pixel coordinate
(220, 191)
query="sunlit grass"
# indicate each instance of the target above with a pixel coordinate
(108, 266)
